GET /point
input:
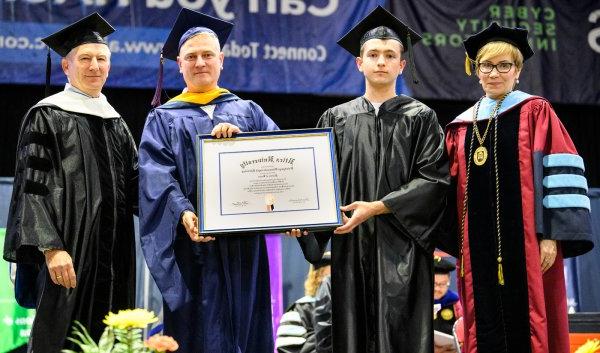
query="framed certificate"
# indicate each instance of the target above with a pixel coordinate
(268, 182)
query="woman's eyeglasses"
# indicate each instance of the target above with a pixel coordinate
(502, 67)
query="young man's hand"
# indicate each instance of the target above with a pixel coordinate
(361, 211)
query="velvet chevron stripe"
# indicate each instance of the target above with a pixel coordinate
(563, 160)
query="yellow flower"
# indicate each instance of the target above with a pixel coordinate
(136, 318)
(591, 346)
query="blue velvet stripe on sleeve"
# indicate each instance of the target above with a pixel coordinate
(565, 181)
(563, 160)
(565, 206)
(564, 184)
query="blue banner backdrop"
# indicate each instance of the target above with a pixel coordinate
(564, 35)
(279, 46)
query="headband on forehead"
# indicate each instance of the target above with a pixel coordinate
(193, 32)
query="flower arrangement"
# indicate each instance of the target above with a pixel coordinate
(123, 334)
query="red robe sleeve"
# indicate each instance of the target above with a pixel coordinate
(562, 207)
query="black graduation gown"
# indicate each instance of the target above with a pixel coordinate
(382, 276)
(74, 187)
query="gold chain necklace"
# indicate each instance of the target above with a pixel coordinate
(481, 153)
(494, 116)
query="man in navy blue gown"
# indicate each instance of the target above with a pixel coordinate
(216, 291)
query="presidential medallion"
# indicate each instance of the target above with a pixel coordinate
(480, 156)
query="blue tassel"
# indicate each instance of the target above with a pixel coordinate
(157, 93)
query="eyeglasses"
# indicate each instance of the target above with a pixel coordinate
(445, 284)
(502, 67)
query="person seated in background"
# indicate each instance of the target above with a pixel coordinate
(446, 302)
(296, 333)
(450, 308)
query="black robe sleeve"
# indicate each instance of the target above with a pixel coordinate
(37, 191)
(418, 205)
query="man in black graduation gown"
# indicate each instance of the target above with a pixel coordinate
(393, 177)
(70, 226)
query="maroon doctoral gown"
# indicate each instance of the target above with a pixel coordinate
(542, 194)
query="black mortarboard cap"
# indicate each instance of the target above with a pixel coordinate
(188, 19)
(90, 29)
(188, 24)
(442, 265)
(325, 261)
(370, 28)
(494, 32)
(380, 24)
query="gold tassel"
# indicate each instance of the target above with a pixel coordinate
(500, 274)
(467, 65)
(462, 266)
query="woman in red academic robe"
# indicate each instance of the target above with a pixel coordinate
(522, 206)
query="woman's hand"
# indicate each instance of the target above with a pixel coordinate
(547, 253)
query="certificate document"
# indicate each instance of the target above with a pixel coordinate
(268, 181)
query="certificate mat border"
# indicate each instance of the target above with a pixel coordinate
(205, 138)
(279, 149)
